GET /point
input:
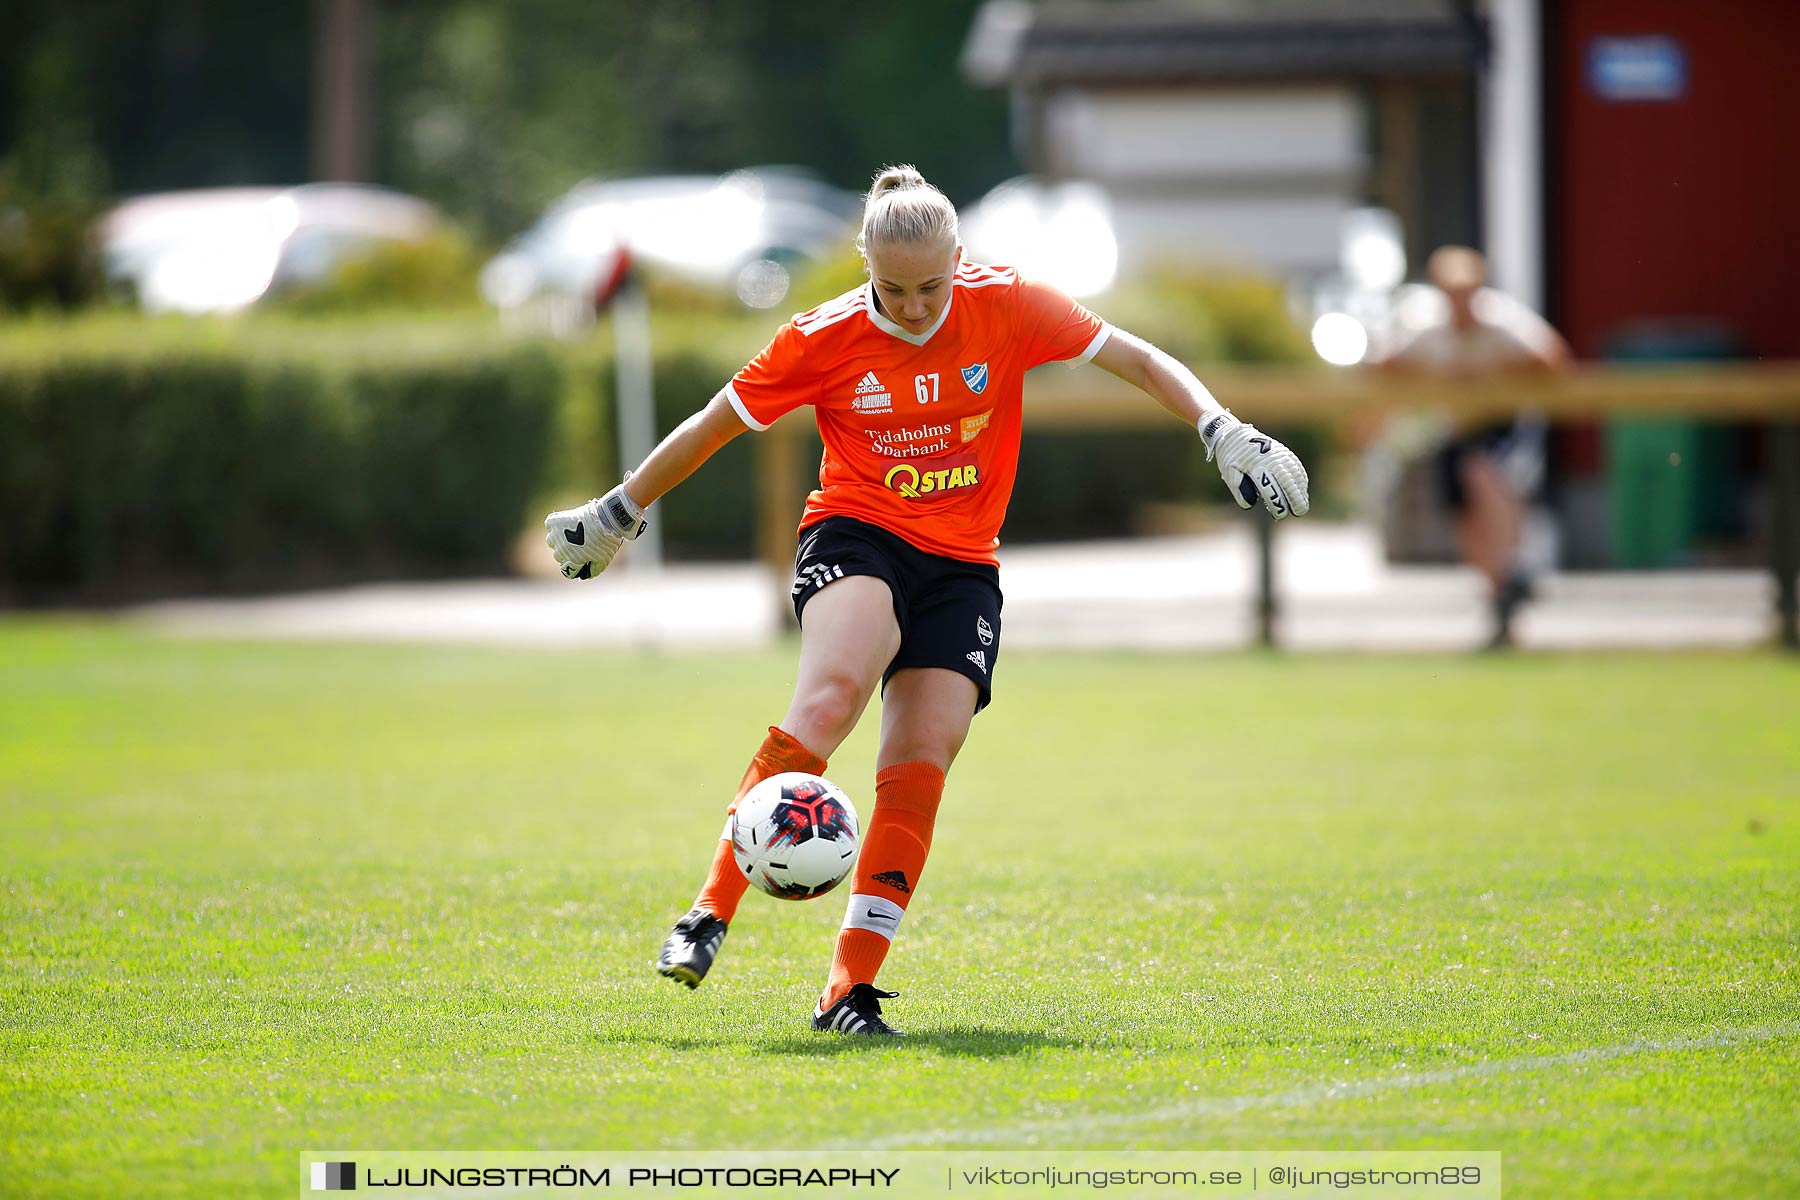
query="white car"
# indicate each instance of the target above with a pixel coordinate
(1060, 233)
(738, 231)
(223, 249)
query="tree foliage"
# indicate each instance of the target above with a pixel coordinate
(492, 109)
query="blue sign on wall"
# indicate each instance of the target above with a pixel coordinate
(1637, 68)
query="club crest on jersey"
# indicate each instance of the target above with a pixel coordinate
(976, 377)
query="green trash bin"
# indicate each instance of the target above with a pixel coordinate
(1669, 480)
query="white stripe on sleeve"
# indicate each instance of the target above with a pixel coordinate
(1093, 347)
(738, 404)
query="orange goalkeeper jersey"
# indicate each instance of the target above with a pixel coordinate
(921, 431)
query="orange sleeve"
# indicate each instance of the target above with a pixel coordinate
(1055, 328)
(775, 382)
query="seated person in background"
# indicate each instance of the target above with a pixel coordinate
(1488, 473)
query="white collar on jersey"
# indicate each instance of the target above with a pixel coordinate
(886, 325)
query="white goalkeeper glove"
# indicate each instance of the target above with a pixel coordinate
(585, 539)
(1255, 465)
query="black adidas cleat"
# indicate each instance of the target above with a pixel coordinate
(693, 944)
(858, 1011)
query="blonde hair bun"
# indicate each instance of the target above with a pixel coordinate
(902, 207)
(892, 179)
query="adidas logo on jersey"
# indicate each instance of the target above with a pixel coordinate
(871, 396)
(979, 658)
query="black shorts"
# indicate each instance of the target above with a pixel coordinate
(948, 610)
(1515, 440)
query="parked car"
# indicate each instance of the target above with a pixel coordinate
(223, 249)
(1061, 233)
(741, 231)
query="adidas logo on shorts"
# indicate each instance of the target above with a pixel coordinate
(871, 396)
(817, 575)
(979, 658)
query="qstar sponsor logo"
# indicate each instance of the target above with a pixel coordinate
(932, 476)
(910, 442)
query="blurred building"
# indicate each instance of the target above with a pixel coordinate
(1664, 152)
(1232, 132)
(1623, 164)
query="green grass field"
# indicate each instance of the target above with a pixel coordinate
(260, 898)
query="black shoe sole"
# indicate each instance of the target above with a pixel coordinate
(682, 974)
(818, 1028)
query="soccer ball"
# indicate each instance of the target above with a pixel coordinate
(794, 835)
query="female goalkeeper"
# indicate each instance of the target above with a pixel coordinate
(915, 379)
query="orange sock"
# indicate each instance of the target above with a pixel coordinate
(725, 884)
(893, 856)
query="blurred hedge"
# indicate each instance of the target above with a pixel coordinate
(48, 259)
(140, 457)
(440, 274)
(143, 456)
(710, 516)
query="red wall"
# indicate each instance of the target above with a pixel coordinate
(1686, 208)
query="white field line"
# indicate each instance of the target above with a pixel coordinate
(1305, 1097)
